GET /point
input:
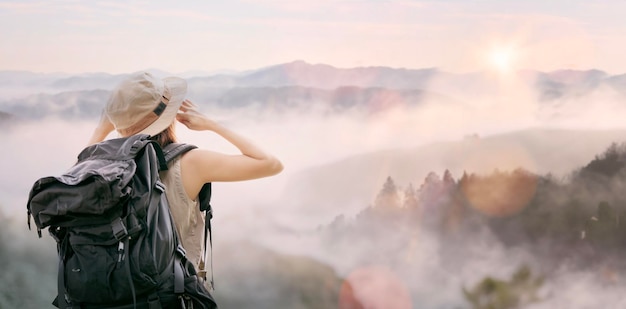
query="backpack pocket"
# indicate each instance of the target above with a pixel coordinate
(87, 191)
(102, 272)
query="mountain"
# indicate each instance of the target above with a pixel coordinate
(328, 77)
(15, 84)
(322, 76)
(89, 103)
(577, 76)
(353, 182)
(299, 84)
(297, 73)
(7, 120)
(556, 84)
(5, 117)
(341, 98)
(90, 81)
(66, 105)
(549, 85)
(618, 82)
(300, 73)
(28, 78)
(251, 276)
(202, 73)
(247, 275)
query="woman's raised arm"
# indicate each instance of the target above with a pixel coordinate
(202, 166)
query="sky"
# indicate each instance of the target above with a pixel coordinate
(180, 36)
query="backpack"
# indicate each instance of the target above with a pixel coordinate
(117, 243)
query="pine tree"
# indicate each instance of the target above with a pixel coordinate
(388, 197)
(410, 198)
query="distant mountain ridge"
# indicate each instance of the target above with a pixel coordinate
(67, 105)
(88, 103)
(294, 85)
(5, 118)
(300, 73)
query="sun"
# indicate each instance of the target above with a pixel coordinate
(502, 59)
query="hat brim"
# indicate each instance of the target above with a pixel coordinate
(178, 91)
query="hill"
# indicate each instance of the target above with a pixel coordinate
(250, 276)
(247, 275)
(352, 183)
(5, 118)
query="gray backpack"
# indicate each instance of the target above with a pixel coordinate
(117, 243)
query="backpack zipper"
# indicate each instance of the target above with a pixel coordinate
(120, 252)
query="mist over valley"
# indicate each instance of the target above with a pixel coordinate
(403, 188)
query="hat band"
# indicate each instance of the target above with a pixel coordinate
(147, 120)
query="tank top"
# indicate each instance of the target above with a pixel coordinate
(185, 212)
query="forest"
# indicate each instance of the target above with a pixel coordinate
(573, 223)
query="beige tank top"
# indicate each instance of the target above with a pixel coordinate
(187, 216)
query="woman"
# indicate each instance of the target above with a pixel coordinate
(143, 104)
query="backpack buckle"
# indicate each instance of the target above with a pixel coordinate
(119, 229)
(202, 274)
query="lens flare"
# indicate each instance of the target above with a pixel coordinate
(374, 287)
(500, 194)
(503, 185)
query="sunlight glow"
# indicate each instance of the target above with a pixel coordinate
(503, 59)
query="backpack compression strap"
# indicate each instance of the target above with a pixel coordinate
(171, 152)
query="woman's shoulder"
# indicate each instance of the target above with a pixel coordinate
(192, 166)
(198, 156)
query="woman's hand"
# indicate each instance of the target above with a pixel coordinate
(102, 130)
(193, 119)
(105, 125)
(207, 166)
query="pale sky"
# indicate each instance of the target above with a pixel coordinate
(177, 36)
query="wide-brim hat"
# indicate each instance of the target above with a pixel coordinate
(144, 104)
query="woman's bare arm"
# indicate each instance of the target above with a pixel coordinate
(202, 166)
(102, 130)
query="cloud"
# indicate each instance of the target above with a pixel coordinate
(23, 8)
(449, 34)
(174, 13)
(48, 8)
(85, 22)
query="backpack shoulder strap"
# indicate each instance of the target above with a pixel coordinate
(174, 150)
(171, 152)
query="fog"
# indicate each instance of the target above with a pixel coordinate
(263, 212)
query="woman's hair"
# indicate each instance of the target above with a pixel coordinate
(166, 136)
